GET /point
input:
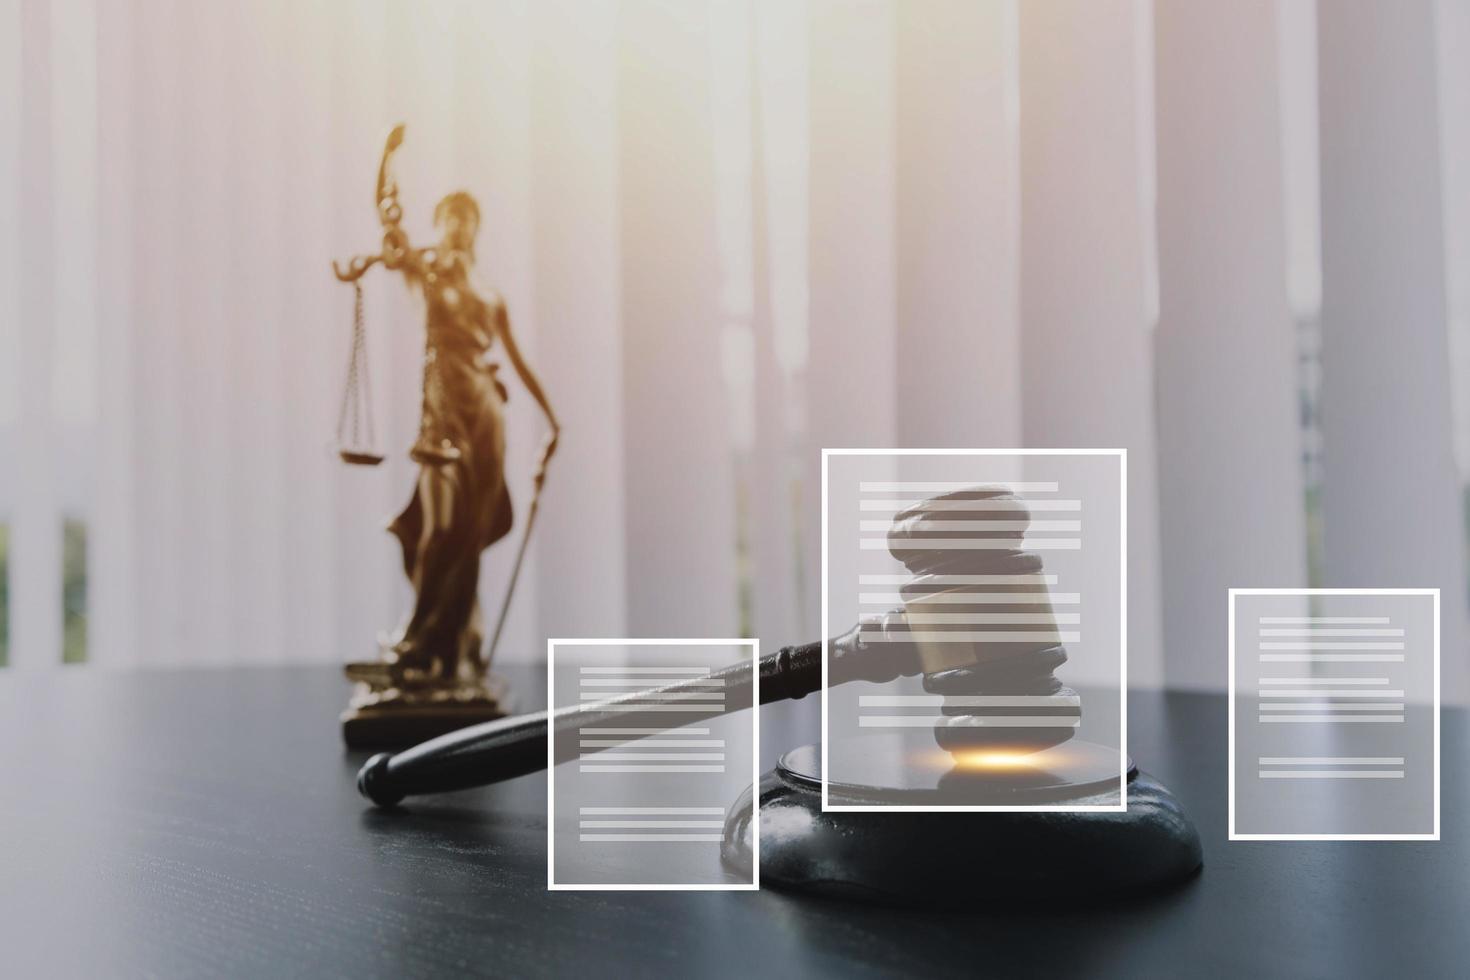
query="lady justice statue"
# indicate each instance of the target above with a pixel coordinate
(431, 675)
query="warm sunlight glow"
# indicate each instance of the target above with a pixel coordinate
(993, 760)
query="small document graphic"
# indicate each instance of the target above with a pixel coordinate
(1334, 714)
(981, 596)
(651, 746)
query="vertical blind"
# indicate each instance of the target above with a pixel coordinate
(729, 233)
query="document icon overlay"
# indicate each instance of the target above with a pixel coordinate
(976, 604)
(1334, 714)
(651, 746)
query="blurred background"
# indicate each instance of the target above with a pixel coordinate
(1233, 238)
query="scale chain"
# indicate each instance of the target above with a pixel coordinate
(358, 387)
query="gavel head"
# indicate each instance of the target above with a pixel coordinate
(979, 614)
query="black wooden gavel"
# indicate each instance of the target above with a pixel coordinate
(906, 641)
(510, 747)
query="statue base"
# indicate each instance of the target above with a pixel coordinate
(1002, 859)
(383, 716)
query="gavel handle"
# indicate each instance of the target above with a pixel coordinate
(510, 747)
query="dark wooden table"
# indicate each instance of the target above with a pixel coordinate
(199, 823)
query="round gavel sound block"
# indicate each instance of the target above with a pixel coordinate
(969, 615)
(1026, 859)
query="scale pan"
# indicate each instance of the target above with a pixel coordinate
(360, 457)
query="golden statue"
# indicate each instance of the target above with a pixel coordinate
(431, 675)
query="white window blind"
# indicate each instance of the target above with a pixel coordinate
(729, 233)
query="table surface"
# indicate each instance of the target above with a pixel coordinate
(205, 822)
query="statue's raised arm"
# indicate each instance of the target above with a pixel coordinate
(396, 250)
(396, 254)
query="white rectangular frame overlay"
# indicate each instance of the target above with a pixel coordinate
(1122, 455)
(755, 763)
(1230, 738)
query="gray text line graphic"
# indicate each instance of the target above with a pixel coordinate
(1331, 774)
(928, 504)
(667, 696)
(1332, 694)
(1323, 619)
(661, 757)
(645, 811)
(1326, 706)
(1323, 680)
(1034, 579)
(973, 544)
(652, 767)
(1330, 645)
(974, 598)
(930, 487)
(651, 824)
(639, 731)
(970, 636)
(645, 670)
(1317, 631)
(712, 682)
(655, 743)
(1334, 719)
(649, 838)
(969, 721)
(967, 701)
(1000, 619)
(1330, 760)
(1332, 658)
(647, 706)
(997, 525)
